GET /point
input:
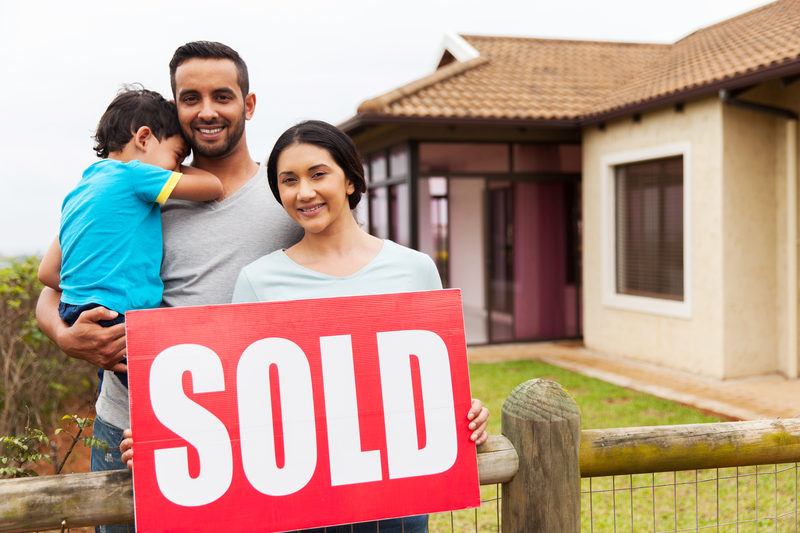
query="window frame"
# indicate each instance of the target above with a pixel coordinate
(644, 304)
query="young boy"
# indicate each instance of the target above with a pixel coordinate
(110, 232)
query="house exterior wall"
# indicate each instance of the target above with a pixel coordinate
(693, 341)
(761, 152)
(753, 246)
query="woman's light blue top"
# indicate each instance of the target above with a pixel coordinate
(395, 268)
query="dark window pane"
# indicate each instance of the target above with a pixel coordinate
(379, 213)
(398, 161)
(400, 230)
(441, 158)
(649, 228)
(547, 158)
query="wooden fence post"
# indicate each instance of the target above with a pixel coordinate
(542, 421)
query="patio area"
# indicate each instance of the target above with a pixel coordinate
(766, 396)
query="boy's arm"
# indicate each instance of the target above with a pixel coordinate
(197, 185)
(85, 339)
(50, 267)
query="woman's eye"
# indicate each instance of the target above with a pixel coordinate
(288, 181)
(318, 174)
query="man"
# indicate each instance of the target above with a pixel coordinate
(205, 245)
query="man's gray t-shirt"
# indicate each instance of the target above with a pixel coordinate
(205, 247)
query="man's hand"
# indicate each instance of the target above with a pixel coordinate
(88, 340)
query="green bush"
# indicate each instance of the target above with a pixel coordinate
(38, 382)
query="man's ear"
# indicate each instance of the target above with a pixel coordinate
(249, 105)
(141, 137)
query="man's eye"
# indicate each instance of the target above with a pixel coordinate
(189, 99)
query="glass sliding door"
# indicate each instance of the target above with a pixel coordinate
(467, 267)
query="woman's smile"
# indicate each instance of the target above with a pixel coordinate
(311, 210)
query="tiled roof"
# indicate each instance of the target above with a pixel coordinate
(548, 79)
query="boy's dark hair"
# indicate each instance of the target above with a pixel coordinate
(209, 50)
(332, 139)
(134, 107)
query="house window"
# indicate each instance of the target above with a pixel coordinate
(649, 228)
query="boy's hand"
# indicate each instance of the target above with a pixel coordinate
(88, 340)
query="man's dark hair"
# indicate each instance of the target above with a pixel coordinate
(134, 107)
(209, 50)
(332, 139)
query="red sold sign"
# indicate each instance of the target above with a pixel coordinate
(290, 415)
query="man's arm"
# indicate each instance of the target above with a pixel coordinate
(197, 185)
(85, 339)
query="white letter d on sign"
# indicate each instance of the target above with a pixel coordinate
(404, 457)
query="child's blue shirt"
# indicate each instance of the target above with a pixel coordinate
(110, 235)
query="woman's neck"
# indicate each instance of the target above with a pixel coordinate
(340, 250)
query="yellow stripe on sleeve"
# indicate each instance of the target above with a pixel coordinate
(168, 187)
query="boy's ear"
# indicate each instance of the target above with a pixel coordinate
(141, 137)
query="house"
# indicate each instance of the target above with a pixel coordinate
(641, 196)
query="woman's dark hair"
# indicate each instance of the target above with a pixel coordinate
(132, 108)
(209, 50)
(332, 139)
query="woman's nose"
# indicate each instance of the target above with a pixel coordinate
(306, 190)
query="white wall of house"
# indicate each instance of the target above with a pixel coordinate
(751, 210)
(686, 335)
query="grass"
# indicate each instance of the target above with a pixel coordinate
(648, 502)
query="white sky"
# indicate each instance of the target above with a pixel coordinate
(63, 62)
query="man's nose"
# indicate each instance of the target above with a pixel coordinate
(207, 112)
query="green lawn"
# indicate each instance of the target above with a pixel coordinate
(647, 502)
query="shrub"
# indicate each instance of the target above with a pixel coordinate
(37, 381)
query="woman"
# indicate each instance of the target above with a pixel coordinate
(315, 172)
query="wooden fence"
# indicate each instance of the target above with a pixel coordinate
(539, 459)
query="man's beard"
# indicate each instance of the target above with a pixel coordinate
(216, 152)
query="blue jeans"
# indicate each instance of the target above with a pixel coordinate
(108, 460)
(408, 524)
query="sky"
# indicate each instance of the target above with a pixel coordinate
(63, 62)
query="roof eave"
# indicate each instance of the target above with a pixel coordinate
(362, 120)
(771, 72)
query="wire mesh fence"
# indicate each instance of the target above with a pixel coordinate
(484, 519)
(735, 499)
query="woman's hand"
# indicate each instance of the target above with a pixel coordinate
(479, 418)
(126, 447)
